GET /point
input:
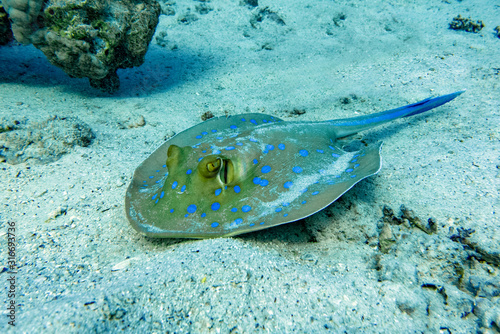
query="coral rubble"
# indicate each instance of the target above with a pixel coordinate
(462, 23)
(42, 142)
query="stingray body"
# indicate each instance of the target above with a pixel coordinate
(232, 175)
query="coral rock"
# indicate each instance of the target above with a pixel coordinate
(24, 17)
(91, 38)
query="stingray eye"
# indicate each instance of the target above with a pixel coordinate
(209, 166)
(213, 166)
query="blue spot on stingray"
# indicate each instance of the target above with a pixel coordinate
(265, 151)
(252, 224)
(255, 161)
(157, 200)
(304, 153)
(189, 171)
(157, 170)
(204, 133)
(355, 156)
(215, 206)
(191, 208)
(330, 146)
(253, 140)
(157, 181)
(154, 196)
(198, 136)
(353, 176)
(233, 126)
(356, 165)
(288, 184)
(145, 181)
(186, 215)
(151, 177)
(215, 152)
(237, 189)
(278, 209)
(218, 191)
(304, 202)
(262, 223)
(270, 147)
(203, 215)
(264, 120)
(256, 180)
(253, 121)
(246, 208)
(335, 155)
(162, 194)
(315, 193)
(164, 166)
(303, 190)
(230, 148)
(204, 151)
(286, 214)
(214, 131)
(201, 158)
(238, 221)
(243, 120)
(265, 169)
(171, 210)
(354, 160)
(297, 169)
(183, 188)
(239, 144)
(220, 138)
(320, 151)
(234, 210)
(214, 224)
(348, 170)
(281, 146)
(285, 204)
(174, 185)
(264, 182)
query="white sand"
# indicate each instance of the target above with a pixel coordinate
(444, 164)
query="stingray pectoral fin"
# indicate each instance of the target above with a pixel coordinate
(348, 126)
(334, 183)
(368, 163)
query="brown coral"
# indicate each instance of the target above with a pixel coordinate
(24, 17)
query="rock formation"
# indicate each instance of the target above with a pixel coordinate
(86, 38)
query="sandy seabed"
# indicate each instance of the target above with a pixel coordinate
(82, 268)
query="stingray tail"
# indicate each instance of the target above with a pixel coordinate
(348, 126)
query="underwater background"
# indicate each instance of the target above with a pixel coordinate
(89, 89)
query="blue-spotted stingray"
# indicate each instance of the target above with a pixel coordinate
(233, 175)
